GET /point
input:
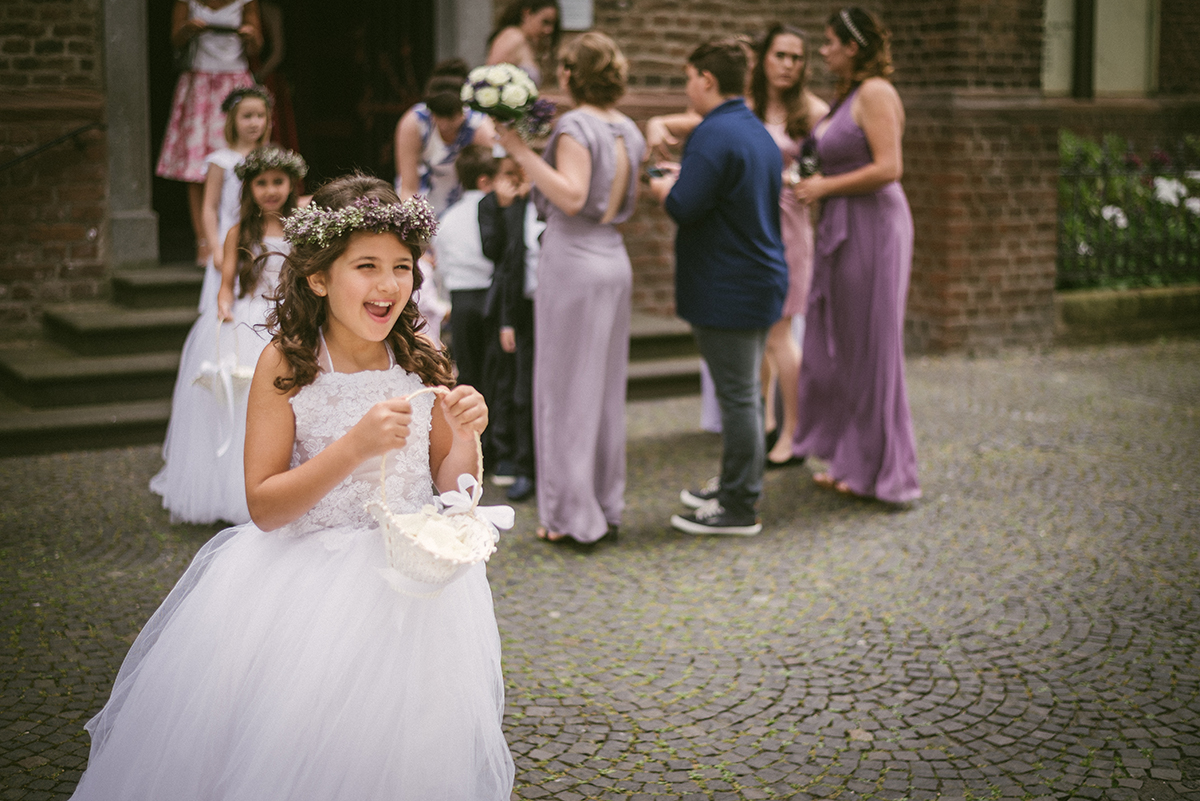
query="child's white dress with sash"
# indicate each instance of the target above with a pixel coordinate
(203, 480)
(285, 665)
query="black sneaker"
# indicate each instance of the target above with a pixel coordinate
(711, 518)
(694, 499)
(504, 475)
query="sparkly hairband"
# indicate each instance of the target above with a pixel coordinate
(241, 93)
(412, 220)
(858, 37)
(272, 158)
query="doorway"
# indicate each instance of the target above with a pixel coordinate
(353, 70)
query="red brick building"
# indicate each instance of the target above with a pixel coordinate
(980, 146)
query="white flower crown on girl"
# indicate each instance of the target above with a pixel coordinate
(272, 158)
(412, 220)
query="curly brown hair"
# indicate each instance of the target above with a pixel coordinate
(598, 69)
(299, 312)
(874, 59)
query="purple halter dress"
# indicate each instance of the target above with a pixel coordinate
(853, 403)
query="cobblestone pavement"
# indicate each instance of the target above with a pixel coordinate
(1028, 630)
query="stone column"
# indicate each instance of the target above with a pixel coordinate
(461, 28)
(133, 223)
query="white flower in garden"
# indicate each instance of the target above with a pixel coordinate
(1193, 204)
(1169, 190)
(513, 95)
(487, 97)
(1084, 249)
(498, 75)
(1115, 215)
(1192, 175)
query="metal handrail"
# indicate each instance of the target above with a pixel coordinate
(41, 148)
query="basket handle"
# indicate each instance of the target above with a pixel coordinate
(383, 459)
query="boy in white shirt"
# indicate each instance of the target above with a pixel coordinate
(465, 272)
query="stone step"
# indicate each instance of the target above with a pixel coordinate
(663, 378)
(26, 431)
(41, 374)
(101, 328)
(166, 285)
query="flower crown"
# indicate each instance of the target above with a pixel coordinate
(272, 158)
(242, 92)
(412, 220)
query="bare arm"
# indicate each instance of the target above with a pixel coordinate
(879, 113)
(210, 210)
(272, 23)
(228, 274)
(458, 416)
(567, 185)
(251, 28)
(408, 154)
(664, 132)
(183, 29)
(509, 46)
(278, 495)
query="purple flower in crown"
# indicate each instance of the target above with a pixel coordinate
(412, 220)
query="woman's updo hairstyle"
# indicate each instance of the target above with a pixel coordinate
(598, 69)
(874, 58)
(300, 313)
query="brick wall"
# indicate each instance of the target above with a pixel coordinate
(1179, 47)
(53, 206)
(976, 46)
(54, 43)
(982, 181)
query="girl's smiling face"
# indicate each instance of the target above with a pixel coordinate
(271, 189)
(367, 287)
(250, 120)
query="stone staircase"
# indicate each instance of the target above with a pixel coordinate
(102, 372)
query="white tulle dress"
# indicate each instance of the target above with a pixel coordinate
(203, 480)
(284, 666)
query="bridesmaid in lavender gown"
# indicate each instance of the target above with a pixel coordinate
(853, 403)
(585, 186)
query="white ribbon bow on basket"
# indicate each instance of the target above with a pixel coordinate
(227, 380)
(437, 545)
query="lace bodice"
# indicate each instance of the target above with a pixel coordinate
(329, 407)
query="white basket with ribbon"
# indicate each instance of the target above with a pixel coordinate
(227, 379)
(438, 544)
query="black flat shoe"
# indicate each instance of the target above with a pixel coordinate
(791, 461)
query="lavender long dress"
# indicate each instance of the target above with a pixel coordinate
(853, 403)
(581, 341)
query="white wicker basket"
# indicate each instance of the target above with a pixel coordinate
(438, 544)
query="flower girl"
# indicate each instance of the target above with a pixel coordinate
(203, 479)
(247, 126)
(286, 663)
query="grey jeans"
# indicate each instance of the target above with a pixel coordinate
(734, 358)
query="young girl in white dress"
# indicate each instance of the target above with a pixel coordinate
(203, 479)
(285, 664)
(247, 126)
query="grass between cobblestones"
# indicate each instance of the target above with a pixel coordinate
(1028, 630)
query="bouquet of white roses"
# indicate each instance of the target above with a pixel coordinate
(507, 93)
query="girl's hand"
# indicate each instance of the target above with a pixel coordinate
(225, 304)
(811, 189)
(384, 428)
(506, 192)
(247, 33)
(465, 411)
